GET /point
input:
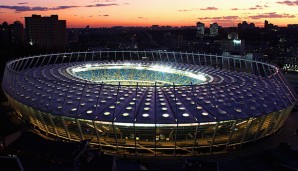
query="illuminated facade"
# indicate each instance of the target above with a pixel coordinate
(169, 104)
(200, 29)
(214, 30)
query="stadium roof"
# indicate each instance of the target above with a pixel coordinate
(226, 95)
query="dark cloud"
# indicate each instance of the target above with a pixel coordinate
(23, 8)
(96, 1)
(62, 7)
(232, 17)
(37, 8)
(142, 18)
(289, 3)
(271, 15)
(209, 8)
(256, 7)
(106, 15)
(101, 5)
(22, 3)
(234, 9)
(210, 18)
(223, 21)
(183, 10)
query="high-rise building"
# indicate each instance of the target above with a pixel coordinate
(269, 26)
(245, 25)
(266, 23)
(155, 27)
(17, 33)
(46, 32)
(200, 29)
(214, 30)
(236, 46)
(232, 35)
(292, 26)
(12, 33)
(5, 36)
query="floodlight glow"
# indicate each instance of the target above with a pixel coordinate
(139, 67)
(197, 76)
(115, 67)
(88, 65)
(161, 68)
(127, 64)
(78, 69)
(136, 66)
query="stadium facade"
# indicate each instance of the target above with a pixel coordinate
(150, 103)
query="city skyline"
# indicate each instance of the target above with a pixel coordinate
(108, 13)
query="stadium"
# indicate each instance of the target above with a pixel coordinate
(150, 103)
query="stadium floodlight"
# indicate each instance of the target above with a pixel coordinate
(139, 67)
(88, 66)
(127, 64)
(197, 76)
(161, 68)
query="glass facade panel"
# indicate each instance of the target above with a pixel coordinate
(222, 133)
(205, 135)
(238, 132)
(49, 124)
(73, 129)
(255, 123)
(88, 130)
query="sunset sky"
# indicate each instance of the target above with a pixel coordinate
(107, 13)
